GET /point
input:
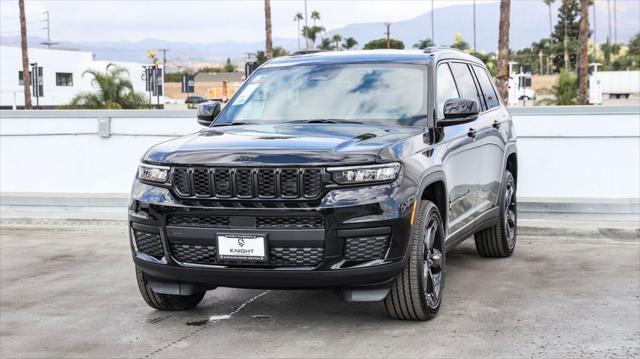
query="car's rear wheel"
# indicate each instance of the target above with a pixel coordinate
(165, 301)
(500, 240)
(417, 292)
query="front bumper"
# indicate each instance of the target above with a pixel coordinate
(353, 215)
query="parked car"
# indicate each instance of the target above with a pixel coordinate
(349, 170)
(195, 100)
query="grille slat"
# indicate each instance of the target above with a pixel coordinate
(149, 243)
(289, 222)
(278, 256)
(248, 183)
(199, 221)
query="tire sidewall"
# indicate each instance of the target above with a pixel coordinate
(428, 210)
(503, 218)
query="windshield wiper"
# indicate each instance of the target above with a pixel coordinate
(325, 120)
(237, 123)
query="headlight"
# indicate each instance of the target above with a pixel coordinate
(363, 174)
(152, 173)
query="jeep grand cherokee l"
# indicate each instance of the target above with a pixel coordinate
(354, 171)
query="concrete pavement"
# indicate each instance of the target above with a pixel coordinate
(69, 293)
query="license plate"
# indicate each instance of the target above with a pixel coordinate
(242, 247)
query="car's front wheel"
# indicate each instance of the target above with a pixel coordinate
(417, 291)
(165, 301)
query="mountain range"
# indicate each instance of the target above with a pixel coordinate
(529, 23)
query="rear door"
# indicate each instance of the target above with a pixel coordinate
(491, 141)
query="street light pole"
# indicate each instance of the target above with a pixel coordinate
(306, 24)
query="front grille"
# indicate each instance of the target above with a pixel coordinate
(278, 256)
(247, 183)
(199, 221)
(196, 254)
(365, 248)
(289, 222)
(149, 243)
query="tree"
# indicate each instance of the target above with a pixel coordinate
(267, 28)
(113, 91)
(228, 66)
(297, 19)
(336, 38)
(279, 51)
(423, 44)
(349, 43)
(549, 2)
(634, 45)
(583, 77)
(315, 15)
(459, 43)
(26, 76)
(311, 33)
(382, 44)
(566, 33)
(502, 79)
(326, 44)
(565, 88)
(261, 57)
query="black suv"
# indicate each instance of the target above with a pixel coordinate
(354, 171)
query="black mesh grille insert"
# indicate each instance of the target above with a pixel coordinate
(296, 256)
(289, 222)
(222, 182)
(365, 248)
(181, 181)
(189, 253)
(201, 184)
(199, 221)
(149, 243)
(312, 182)
(244, 183)
(267, 183)
(278, 256)
(289, 182)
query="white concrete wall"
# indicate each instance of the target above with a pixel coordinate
(52, 61)
(564, 153)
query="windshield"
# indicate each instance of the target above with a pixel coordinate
(390, 94)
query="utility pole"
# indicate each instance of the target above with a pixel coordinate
(388, 34)
(164, 65)
(595, 37)
(615, 23)
(47, 27)
(26, 78)
(306, 24)
(475, 47)
(433, 33)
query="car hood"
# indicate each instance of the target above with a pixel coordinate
(307, 144)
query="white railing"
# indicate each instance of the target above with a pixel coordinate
(565, 153)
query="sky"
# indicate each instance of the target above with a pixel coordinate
(197, 21)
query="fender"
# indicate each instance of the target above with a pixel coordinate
(436, 174)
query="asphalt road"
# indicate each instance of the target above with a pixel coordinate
(73, 294)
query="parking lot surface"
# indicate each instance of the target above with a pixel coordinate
(70, 293)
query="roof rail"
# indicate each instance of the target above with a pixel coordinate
(432, 49)
(306, 52)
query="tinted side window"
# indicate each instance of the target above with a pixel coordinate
(466, 85)
(489, 92)
(446, 88)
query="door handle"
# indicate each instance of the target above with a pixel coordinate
(472, 133)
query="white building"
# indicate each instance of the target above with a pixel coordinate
(62, 72)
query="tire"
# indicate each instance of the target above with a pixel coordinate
(500, 240)
(165, 301)
(416, 295)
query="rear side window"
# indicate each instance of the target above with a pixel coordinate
(488, 91)
(466, 85)
(446, 88)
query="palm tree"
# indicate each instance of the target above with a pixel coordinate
(297, 19)
(261, 57)
(583, 61)
(267, 28)
(326, 44)
(26, 76)
(279, 51)
(311, 33)
(503, 50)
(315, 15)
(337, 38)
(423, 44)
(113, 90)
(549, 2)
(349, 43)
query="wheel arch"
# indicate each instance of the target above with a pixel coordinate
(511, 163)
(433, 187)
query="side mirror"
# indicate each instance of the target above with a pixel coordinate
(207, 112)
(458, 111)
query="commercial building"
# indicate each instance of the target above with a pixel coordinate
(62, 76)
